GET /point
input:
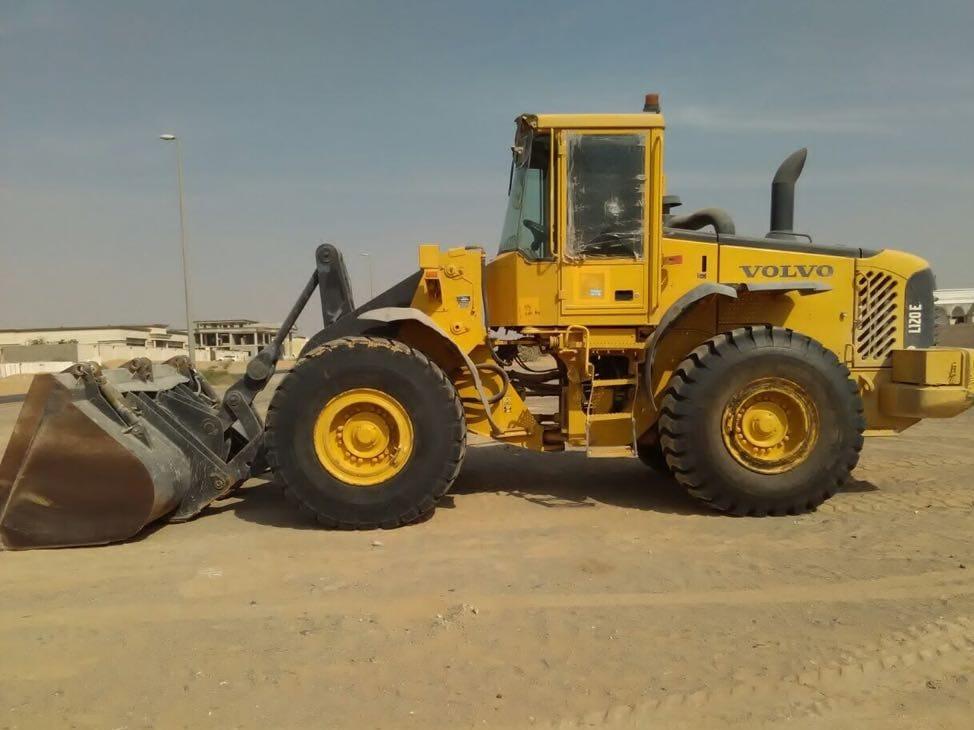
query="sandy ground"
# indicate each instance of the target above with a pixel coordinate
(547, 590)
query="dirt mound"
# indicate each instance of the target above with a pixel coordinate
(15, 384)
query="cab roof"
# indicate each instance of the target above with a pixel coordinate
(642, 120)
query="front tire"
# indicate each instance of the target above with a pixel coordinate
(762, 420)
(366, 432)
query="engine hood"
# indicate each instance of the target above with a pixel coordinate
(771, 244)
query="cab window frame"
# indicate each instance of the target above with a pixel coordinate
(529, 155)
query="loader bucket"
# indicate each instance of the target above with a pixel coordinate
(93, 461)
(96, 455)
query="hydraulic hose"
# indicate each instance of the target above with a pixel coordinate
(718, 218)
(505, 384)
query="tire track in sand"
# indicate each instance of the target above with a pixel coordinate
(925, 652)
(912, 499)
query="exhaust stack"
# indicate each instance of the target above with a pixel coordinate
(783, 195)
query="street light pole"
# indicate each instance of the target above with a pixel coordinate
(190, 335)
(371, 275)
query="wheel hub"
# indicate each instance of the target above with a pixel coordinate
(764, 424)
(365, 434)
(770, 425)
(363, 437)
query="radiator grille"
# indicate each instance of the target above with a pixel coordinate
(878, 307)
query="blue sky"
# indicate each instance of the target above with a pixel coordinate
(381, 125)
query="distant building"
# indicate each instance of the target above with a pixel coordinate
(954, 306)
(243, 335)
(230, 339)
(58, 346)
(130, 335)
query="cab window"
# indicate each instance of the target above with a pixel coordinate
(606, 182)
(527, 219)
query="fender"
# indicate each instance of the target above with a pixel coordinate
(401, 314)
(685, 302)
(669, 318)
(351, 323)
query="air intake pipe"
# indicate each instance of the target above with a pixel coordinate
(783, 195)
(717, 217)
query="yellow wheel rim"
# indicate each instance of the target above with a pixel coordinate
(770, 425)
(363, 437)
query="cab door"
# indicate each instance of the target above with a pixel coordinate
(604, 199)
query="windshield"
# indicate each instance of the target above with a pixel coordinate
(526, 221)
(606, 193)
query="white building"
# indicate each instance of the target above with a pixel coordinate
(246, 336)
(954, 306)
(132, 335)
(233, 339)
(100, 343)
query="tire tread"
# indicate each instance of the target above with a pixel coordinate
(678, 404)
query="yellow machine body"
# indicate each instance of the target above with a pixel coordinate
(749, 368)
(578, 307)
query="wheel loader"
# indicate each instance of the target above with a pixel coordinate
(747, 367)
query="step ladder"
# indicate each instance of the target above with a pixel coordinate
(611, 452)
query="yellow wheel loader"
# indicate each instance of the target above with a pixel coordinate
(748, 367)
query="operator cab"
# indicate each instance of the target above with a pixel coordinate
(581, 227)
(606, 193)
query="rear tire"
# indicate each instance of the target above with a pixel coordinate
(310, 413)
(651, 454)
(760, 421)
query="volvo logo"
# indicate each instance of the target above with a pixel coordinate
(788, 271)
